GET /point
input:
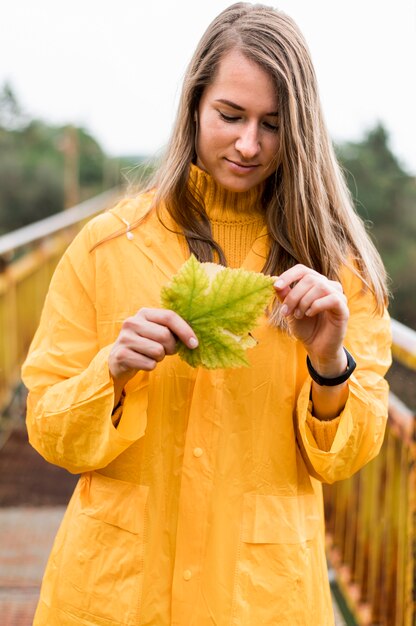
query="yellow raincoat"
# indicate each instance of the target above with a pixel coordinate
(203, 506)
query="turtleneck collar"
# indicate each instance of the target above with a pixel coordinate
(222, 205)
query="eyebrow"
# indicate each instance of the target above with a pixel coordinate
(240, 108)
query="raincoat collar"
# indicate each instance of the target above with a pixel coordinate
(158, 237)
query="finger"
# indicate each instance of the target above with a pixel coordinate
(311, 286)
(337, 285)
(176, 324)
(292, 275)
(333, 303)
(130, 343)
(134, 361)
(281, 293)
(149, 349)
(138, 326)
(124, 360)
(306, 297)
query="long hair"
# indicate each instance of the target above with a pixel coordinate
(308, 209)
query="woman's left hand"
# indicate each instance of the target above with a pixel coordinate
(317, 314)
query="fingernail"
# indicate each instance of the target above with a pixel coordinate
(193, 342)
(298, 314)
(284, 309)
(279, 284)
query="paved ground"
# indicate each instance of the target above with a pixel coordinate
(27, 479)
(33, 495)
(26, 538)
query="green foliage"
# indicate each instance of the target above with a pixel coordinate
(222, 306)
(11, 115)
(385, 197)
(31, 176)
(32, 165)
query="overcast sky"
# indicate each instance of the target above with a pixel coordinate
(116, 67)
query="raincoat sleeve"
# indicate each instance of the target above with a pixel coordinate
(71, 394)
(335, 449)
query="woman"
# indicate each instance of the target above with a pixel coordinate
(200, 497)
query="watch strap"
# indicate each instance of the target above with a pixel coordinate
(332, 382)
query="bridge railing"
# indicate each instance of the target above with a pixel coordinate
(371, 518)
(28, 257)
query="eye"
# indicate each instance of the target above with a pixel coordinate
(228, 118)
(272, 127)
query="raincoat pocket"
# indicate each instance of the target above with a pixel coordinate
(276, 549)
(280, 519)
(101, 566)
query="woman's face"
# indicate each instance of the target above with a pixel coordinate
(238, 138)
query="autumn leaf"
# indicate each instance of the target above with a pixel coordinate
(222, 305)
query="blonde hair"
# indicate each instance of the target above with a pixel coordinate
(308, 209)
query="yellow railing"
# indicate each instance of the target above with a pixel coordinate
(371, 518)
(28, 258)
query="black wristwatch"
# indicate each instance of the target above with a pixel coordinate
(331, 382)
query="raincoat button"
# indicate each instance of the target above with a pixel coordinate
(147, 242)
(187, 575)
(198, 452)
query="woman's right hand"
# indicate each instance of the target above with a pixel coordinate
(144, 340)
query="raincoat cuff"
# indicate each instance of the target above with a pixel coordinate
(132, 413)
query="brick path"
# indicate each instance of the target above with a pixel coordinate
(33, 495)
(26, 536)
(27, 479)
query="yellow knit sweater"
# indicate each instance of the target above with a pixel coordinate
(236, 218)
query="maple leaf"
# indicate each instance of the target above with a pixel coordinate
(222, 305)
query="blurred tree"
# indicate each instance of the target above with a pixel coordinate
(385, 196)
(11, 115)
(31, 174)
(91, 160)
(32, 165)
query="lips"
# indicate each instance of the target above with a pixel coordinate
(242, 166)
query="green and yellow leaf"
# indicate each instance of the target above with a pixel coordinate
(222, 305)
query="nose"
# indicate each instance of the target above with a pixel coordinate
(247, 143)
